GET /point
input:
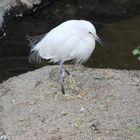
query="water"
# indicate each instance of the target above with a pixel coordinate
(122, 36)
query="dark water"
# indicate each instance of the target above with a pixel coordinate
(122, 36)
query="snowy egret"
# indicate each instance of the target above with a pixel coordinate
(71, 40)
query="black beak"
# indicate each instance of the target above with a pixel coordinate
(101, 43)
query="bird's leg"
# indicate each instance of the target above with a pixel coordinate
(72, 81)
(62, 75)
(68, 73)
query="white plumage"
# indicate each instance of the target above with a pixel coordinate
(70, 40)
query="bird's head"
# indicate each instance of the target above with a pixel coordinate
(92, 31)
(96, 37)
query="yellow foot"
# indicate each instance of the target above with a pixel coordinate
(73, 83)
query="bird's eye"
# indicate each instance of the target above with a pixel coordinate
(89, 32)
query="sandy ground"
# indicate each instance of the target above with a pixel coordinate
(105, 107)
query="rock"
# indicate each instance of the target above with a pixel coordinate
(16, 8)
(106, 106)
(6, 5)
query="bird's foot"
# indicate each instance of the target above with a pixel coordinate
(73, 83)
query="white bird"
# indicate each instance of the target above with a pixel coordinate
(71, 40)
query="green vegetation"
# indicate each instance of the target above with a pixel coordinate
(136, 131)
(136, 52)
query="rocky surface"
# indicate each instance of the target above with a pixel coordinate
(107, 8)
(7, 5)
(105, 107)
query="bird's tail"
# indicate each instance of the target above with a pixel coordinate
(34, 54)
(34, 40)
(34, 57)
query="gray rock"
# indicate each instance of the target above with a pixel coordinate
(98, 7)
(7, 5)
(105, 107)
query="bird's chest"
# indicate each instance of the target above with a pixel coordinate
(82, 48)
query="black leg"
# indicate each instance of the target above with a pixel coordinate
(68, 73)
(62, 75)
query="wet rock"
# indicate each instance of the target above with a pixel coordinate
(16, 8)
